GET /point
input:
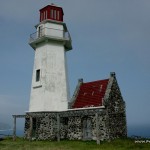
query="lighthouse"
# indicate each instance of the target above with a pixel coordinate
(51, 41)
(96, 110)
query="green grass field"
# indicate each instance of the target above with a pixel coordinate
(118, 144)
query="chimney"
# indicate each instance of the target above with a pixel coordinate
(112, 74)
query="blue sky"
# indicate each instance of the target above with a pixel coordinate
(108, 36)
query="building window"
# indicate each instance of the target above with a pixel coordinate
(57, 15)
(37, 75)
(46, 15)
(52, 13)
(34, 126)
(40, 31)
(41, 16)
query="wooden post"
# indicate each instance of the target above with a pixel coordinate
(31, 126)
(58, 127)
(14, 128)
(97, 129)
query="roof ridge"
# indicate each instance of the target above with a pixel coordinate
(96, 81)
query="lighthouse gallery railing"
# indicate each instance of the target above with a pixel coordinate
(49, 32)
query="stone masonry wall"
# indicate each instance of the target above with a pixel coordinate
(26, 128)
(116, 112)
(74, 128)
(71, 127)
(46, 128)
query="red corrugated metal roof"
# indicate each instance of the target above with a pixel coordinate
(91, 94)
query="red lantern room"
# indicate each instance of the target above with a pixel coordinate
(51, 12)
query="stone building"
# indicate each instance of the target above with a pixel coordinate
(96, 110)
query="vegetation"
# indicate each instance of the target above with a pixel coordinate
(118, 144)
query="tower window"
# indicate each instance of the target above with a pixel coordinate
(41, 16)
(37, 75)
(52, 13)
(46, 14)
(57, 15)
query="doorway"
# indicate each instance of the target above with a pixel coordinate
(87, 129)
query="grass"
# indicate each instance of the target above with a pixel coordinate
(118, 144)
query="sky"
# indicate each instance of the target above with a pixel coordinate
(107, 36)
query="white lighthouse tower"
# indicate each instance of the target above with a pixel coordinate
(51, 41)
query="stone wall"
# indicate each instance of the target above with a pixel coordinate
(27, 128)
(46, 128)
(72, 127)
(115, 106)
(76, 128)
